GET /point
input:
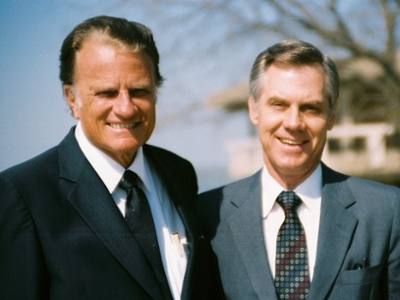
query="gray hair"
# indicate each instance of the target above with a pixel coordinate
(296, 53)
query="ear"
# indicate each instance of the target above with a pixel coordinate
(71, 100)
(333, 117)
(253, 110)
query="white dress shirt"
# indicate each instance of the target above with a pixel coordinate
(171, 234)
(309, 213)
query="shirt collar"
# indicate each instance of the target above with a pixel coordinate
(309, 191)
(140, 167)
(109, 171)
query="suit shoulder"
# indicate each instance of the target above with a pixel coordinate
(235, 188)
(35, 166)
(35, 175)
(154, 150)
(372, 189)
(362, 189)
(244, 183)
(167, 160)
(357, 182)
(168, 163)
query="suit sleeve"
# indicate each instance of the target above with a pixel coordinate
(23, 273)
(394, 256)
(207, 214)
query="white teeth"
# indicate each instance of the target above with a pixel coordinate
(118, 125)
(290, 142)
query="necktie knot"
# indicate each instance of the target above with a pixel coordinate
(289, 201)
(129, 180)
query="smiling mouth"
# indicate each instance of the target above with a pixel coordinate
(120, 126)
(292, 143)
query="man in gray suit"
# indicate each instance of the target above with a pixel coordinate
(298, 229)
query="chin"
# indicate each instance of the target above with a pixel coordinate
(125, 148)
(293, 168)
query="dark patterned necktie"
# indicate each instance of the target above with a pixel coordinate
(292, 280)
(140, 221)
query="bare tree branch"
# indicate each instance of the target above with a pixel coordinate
(347, 28)
(390, 22)
(340, 35)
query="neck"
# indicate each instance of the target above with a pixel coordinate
(290, 180)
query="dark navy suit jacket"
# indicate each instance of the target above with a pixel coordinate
(63, 237)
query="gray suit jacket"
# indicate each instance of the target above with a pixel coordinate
(359, 219)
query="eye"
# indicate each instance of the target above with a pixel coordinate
(109, 94)
(277, 104)
(312, 107)
(139, 93)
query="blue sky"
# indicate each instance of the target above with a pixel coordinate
(36, 117)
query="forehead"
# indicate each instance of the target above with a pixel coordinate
(98, 57)
(103, 37)
(302, 80)
(279, 69)
(99, 43)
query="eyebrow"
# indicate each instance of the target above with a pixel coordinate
(276, 98)
(111, 87)
(146, 86)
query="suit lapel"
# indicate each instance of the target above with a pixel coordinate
(247, 230)
(92, 201)
(336, 230)
(181, 197)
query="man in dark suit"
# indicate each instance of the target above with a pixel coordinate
(297, 229)
(66, 226)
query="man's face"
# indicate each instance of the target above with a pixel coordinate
(293, 118)
(114, 97)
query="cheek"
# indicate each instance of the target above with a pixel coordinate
(269, 121)
(81, 111)
(94, 110)
(320, 133)
(149, 110)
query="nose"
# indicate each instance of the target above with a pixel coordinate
(123, 105)
(293, 119)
